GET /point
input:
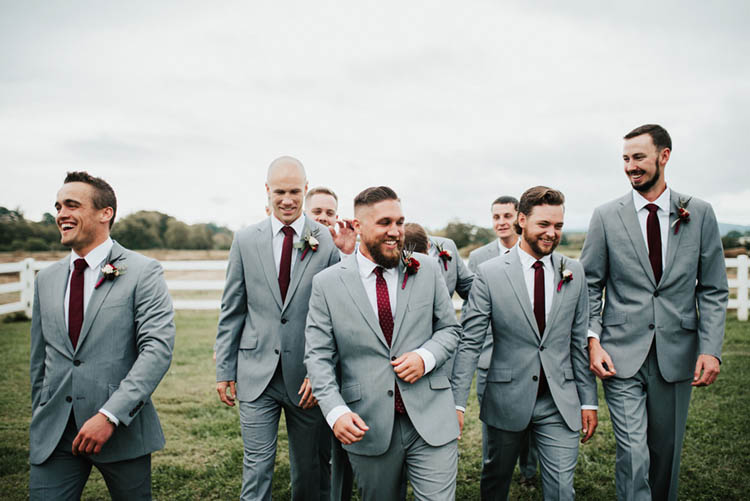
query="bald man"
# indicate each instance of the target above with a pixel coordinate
(261, 336)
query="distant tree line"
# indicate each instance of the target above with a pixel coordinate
(140, 230)
(734, 239)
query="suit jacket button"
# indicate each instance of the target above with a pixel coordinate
(276, 351)
(68, 398)
(541, 348)
(656, 293)
(393, 358)
(283, 320)
(390, 393)
(535, 378)
(76, 362)
(651, 326)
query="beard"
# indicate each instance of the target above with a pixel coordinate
(534, 244)
(648, 184)
(389, 260)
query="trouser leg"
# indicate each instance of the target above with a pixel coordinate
(558, 450)
(497, 470)
(378, 477)
(342, 477)
(304, 427)
(128, 480)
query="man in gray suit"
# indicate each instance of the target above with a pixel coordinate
(504, 210)
(260, 339)
(536, 303)
(102, 334)
(656, 255)
(386, 319)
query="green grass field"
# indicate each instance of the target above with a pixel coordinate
(203, 456)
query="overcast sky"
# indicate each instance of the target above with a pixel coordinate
(181, 106)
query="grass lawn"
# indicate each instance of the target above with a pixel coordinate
(203, 456)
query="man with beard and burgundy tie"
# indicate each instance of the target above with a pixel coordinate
(536, 303)
(385, 318)
(656, 255)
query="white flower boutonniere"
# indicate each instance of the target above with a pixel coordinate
(683, 215)
(110, 272)
(565, 275)
(308, 242)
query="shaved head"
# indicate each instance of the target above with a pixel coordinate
(286, 163)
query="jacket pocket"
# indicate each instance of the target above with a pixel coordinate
(499, 375)
(439, 382)
(614, 318)
(44, 395)
(351, 393)
(248, 342)
(689, 323)
(418, 306)
(568, 373)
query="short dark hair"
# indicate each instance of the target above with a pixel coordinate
(321, 190)
(373, 195)
(415, 238)
(659, 135)
(104, 195)
(506, 199)
(538, 195)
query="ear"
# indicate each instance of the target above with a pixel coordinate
(106, 214)
(522, 220)
(268, 192)
(664, 156)
(357, 226)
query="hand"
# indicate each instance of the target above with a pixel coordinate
(460, 415)
(226, 396)
(346, 238)
(307, 401)
(409, 367)
(590, 421)
(93, 435)
(709, 364)
(349, 428)
(598, 358)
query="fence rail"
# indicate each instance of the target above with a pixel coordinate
(28, 267)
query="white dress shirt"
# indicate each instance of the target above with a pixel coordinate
(95, 261)
(368, 276)
(278, 240)
(503, 249)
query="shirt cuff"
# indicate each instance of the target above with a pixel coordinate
(336, 413)
(462, 409)
(589, 407)
(110, 416)
(427, 357)
(592, 334)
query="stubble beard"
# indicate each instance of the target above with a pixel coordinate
(381, 259)
(646, 186)
(537, 249)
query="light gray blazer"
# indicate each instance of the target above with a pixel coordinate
(477, 257)
(457, 276)
(686, 311)
(255, 327)
(124, 350)
(499, 299)
(343, 328)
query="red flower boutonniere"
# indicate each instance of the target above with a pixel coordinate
(308, 242)
(565, 275)
(683, 215)
(444, 255)
(411, 265)
(110, 272)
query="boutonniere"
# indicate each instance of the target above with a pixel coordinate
(110, 272)
(444, 255)
(565, 275)
(411, 265)
(308, 242)
(683, 215)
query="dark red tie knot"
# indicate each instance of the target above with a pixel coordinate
(288, 231)
(80, 265)
(652, 208)
(537, 265)
(379, 271)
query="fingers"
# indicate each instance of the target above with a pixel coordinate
(590, 422)
(460, 416)
(307, 401)
(332, 229)
(710, 367)
(349, 428)
(600, 363)
(93, 435)
(409, 367)
(360, 423)
(77, 443)
(226, 396)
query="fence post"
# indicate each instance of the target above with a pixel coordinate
(743, 302)
(26, 276)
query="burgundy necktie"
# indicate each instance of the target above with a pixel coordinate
(386, 323)
(653, 235)
(75, 301)
(540, 315)
(286, 261)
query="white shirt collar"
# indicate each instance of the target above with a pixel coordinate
(367, 267)
(503, 249)
(298, 225)
(663, 201)
(527, 260)
(94, 258)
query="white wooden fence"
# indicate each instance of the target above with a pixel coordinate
(28, 268)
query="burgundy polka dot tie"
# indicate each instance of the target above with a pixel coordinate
(386, 324)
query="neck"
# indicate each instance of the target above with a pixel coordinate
(528, 250)
(84, 250)
(510, 241)
(365, 251)
(655, 192)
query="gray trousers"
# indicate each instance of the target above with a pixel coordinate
(558, 454)
(528, 457)
(259, 421)
(63, 476)
(430, 470)
(648, 418)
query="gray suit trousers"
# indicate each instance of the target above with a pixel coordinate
(648, 417)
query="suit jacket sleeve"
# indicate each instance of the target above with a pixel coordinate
(154, 338)
(446, 331)
(585, 379)
(712, 291)
(464, 277)
(37, 354)
(595, 263)
(232, 316)
(475, 322)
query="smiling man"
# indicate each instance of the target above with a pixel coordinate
(656, 254)
(389, 325)
(260, 340)
(538, 379)
(322, 205)
(102, 333)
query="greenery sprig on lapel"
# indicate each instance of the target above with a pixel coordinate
(565, 275)
(683, 215)
(308, 242)
(444, 255)
(411, 265)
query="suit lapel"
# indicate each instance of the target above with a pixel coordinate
(99, 294)
(402, 298)
(264, 246)
(673, 241)
(58, 288)
(299, 267)
(557, 297)
(518, 284)
(353, 283)
(633, 229)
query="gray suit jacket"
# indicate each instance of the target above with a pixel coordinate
(343, 328)
(124, 349)
(457, 276)
(686, 311)
(499, 299)
(255, 328)
(477, 257)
